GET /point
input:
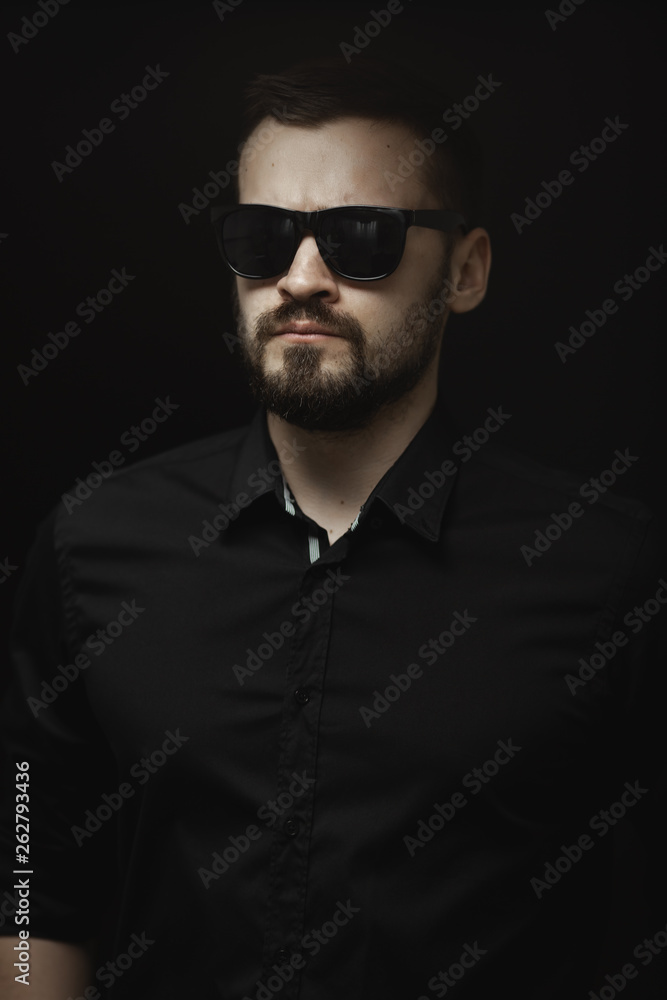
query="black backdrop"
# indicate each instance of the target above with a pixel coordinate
(162, 335)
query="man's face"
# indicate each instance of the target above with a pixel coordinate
(384, 338)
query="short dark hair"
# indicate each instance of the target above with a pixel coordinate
(321, 90)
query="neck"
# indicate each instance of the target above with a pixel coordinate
(335, 471)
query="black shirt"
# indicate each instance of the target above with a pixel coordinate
(383, 768)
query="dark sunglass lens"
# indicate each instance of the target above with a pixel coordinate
(362, 243)
(258, 242)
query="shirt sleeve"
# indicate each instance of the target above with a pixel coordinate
(46, 721)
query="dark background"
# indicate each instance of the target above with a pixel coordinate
(163, 336)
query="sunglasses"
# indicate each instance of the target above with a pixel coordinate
(356, 241)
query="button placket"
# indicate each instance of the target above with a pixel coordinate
(298, 755)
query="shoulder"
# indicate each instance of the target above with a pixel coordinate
(603, 523)
(546, 484)
(562, 484)
(156, 496)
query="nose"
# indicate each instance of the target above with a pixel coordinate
(308, 274)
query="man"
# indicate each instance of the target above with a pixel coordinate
(345, 703)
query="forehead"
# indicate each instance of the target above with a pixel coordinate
(351, 161)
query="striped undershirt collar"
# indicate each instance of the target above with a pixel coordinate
(313, 540)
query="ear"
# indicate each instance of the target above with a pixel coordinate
(471, 263)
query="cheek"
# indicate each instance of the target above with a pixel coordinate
(425, 256)
(378, 314)
(251, 301)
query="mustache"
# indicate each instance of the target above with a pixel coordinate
(316, 312)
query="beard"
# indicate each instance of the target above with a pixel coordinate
(367, 378)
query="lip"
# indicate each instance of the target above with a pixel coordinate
(304, 331)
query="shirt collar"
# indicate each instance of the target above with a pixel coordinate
(415, 489)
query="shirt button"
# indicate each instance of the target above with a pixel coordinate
(282, 955)
(291, 827)
(302, 696)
